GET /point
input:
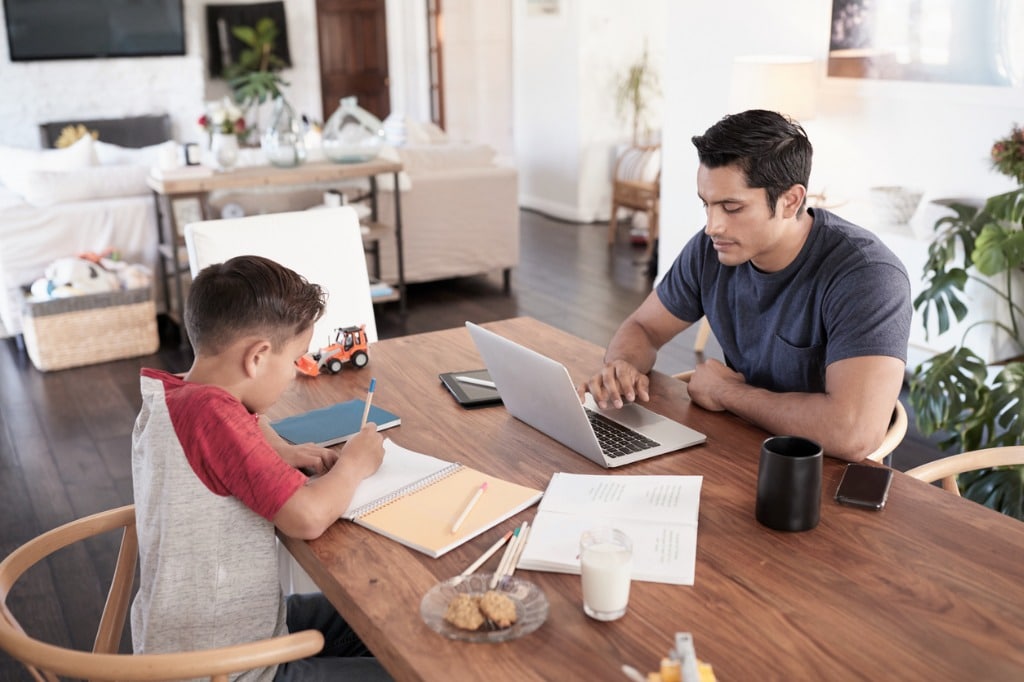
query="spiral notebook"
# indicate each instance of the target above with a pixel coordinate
(415, 499)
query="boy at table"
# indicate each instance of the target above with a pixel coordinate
(812, 312)
(212, 480)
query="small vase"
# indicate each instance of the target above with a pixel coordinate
(282, 141)
(224, 147)
(352, 134)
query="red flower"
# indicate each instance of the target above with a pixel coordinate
(203, 121)
(240, 126)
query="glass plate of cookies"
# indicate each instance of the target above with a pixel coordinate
(467, 609)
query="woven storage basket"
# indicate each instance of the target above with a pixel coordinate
(85, 330)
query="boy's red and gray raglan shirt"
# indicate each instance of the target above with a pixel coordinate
(207, 484)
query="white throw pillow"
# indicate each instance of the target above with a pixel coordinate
(639, 165)
(424, 132)
(16, 161)
(49, 187)
(111, 154)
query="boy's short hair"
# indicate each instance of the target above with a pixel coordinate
(246, 296)
(772, 150)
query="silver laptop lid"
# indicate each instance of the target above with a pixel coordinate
(540, 392)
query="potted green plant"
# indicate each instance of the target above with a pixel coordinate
(952, 393)
(255, 78)
(634, 91)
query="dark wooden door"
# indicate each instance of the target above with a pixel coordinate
(353, 54)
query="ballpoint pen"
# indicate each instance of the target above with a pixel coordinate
(369, 399)
(469, 506)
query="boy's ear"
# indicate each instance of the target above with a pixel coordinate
(256, 356)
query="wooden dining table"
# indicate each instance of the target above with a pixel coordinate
(931, 587)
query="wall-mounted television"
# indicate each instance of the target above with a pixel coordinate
(86, 29)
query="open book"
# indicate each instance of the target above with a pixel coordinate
(658, 513)
(415, 499)
(332, 424)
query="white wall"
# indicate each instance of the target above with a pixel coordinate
(36, 92)
(929, 135)
(478, 72)
(566, 126)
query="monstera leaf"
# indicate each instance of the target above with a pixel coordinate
(948, 394)
(999, 247)
(1007, 406)
(1000, 488)
(945, 294)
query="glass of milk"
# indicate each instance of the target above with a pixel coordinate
(606, 559)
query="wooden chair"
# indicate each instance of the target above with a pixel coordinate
(703, 332)
(893, 436)
(636, 184)
(46, 661)
(947, 468)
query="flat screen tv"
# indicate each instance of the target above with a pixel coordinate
(85, 29)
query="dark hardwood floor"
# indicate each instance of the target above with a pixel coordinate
(65, 437)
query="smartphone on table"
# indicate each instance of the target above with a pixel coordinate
(863, 485)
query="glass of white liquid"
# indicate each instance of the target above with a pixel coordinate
(606, 559)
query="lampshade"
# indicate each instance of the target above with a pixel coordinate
(784, 84)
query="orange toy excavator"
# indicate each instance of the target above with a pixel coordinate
(349, 346)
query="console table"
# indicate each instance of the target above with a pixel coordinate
(173, 259)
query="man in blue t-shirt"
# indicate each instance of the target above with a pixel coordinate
(812, 312)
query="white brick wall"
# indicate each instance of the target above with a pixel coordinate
(36, 92)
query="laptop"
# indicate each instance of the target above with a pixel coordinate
(539, 391)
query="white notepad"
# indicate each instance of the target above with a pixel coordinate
(658, 513)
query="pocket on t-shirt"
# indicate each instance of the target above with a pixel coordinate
(797, 368)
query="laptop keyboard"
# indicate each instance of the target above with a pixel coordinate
(617, 440)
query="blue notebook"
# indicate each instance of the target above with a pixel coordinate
(334, 424)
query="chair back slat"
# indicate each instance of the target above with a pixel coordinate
(115, 611)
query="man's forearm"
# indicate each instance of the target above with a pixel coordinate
(632, 345)
(811, 415)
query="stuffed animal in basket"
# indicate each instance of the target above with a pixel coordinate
(88, 274)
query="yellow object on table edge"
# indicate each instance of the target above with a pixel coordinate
(707, 674)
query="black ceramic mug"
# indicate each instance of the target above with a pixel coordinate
(789, 483)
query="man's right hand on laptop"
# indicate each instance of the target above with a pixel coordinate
(617, 383)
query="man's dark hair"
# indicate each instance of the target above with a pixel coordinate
(772, 150)
(249, 295)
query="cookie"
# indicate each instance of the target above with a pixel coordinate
(463, 612)
(498, 608)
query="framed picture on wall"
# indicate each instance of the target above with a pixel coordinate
(224, 48)
(950, 41)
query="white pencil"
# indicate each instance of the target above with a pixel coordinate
(469, 506)
(510, 549)
(520, 546)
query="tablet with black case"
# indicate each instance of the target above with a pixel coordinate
(469, 394)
